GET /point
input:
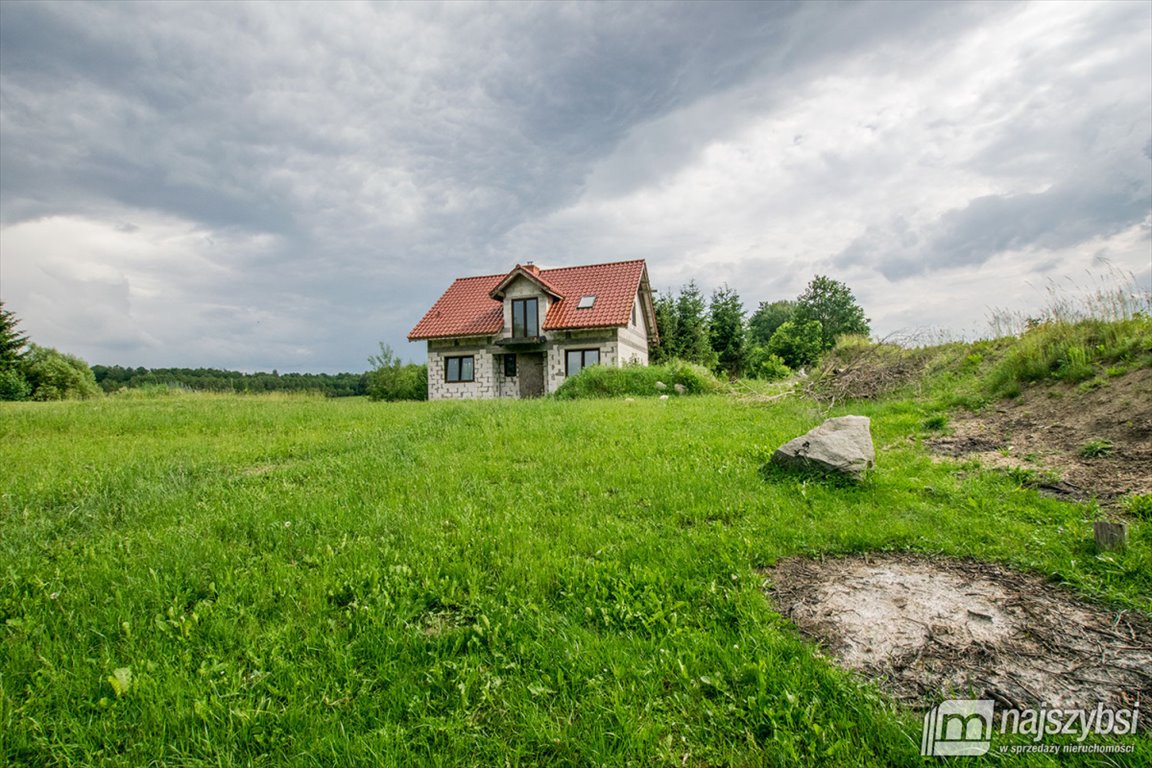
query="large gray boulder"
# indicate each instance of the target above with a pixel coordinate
(841, 446)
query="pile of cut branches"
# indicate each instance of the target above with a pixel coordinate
(865, 371)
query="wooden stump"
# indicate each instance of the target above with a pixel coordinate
(1110, 536)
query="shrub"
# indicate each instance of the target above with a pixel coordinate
(399, 382)
(13, 385)
(766, 366)
(638, 380)
(797, 343)
(392, 380)
(53, 375)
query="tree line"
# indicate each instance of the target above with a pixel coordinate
(29, 371)
(114, 377)
(779, 336)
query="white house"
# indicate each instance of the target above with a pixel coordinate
(522, 333)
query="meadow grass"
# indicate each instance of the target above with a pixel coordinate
(309, 582)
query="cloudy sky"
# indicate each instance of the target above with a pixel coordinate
(261, 185)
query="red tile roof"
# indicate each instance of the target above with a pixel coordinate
(467, 309)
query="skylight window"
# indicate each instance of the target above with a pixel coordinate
(586, 302)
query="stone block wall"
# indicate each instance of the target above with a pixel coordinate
(485, 385)
(634, 337)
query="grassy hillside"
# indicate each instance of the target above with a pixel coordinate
(218, 580)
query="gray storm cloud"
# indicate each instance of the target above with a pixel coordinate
(284, 185)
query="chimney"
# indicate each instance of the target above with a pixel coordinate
(528, 265)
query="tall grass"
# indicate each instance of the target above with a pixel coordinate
(1078, 334)
(1110, 296)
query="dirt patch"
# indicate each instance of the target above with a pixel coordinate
(1046, 429)
(932, 627)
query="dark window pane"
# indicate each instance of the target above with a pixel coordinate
(532, 327)
(573, 363)
(466, 369)
(591, 357)
(509, 365)
(452, 372)
(518, 318)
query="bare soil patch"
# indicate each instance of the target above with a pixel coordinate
(932, 627)
(1045, 429)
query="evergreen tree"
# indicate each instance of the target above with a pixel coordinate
(692, 342)
(832, 304)
(12, 342)
(726, 331)
(13, 382)
(666, 327)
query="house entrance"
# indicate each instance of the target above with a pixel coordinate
(530, 370)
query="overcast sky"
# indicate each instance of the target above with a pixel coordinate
(261, 185)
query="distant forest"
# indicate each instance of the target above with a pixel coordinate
(113, 377)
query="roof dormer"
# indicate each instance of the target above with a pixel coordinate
(530, 272)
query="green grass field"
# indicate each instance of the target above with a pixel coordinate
(300, 581)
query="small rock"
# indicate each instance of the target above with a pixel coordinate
(842, 445)
(661, 385)
(663, 397)
(680, 388)
(629, 399)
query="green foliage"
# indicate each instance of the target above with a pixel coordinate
(798, 343)
(1139, 505)
(13, 385)
(392, 380)
(664, 307)
(1027, 477)
(765, 366)
(1073, 351)
(53, 375)
(767, 318)
(639, 381)
(832, 304)
(114, 378)
(726, 331)
(1095, 448)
